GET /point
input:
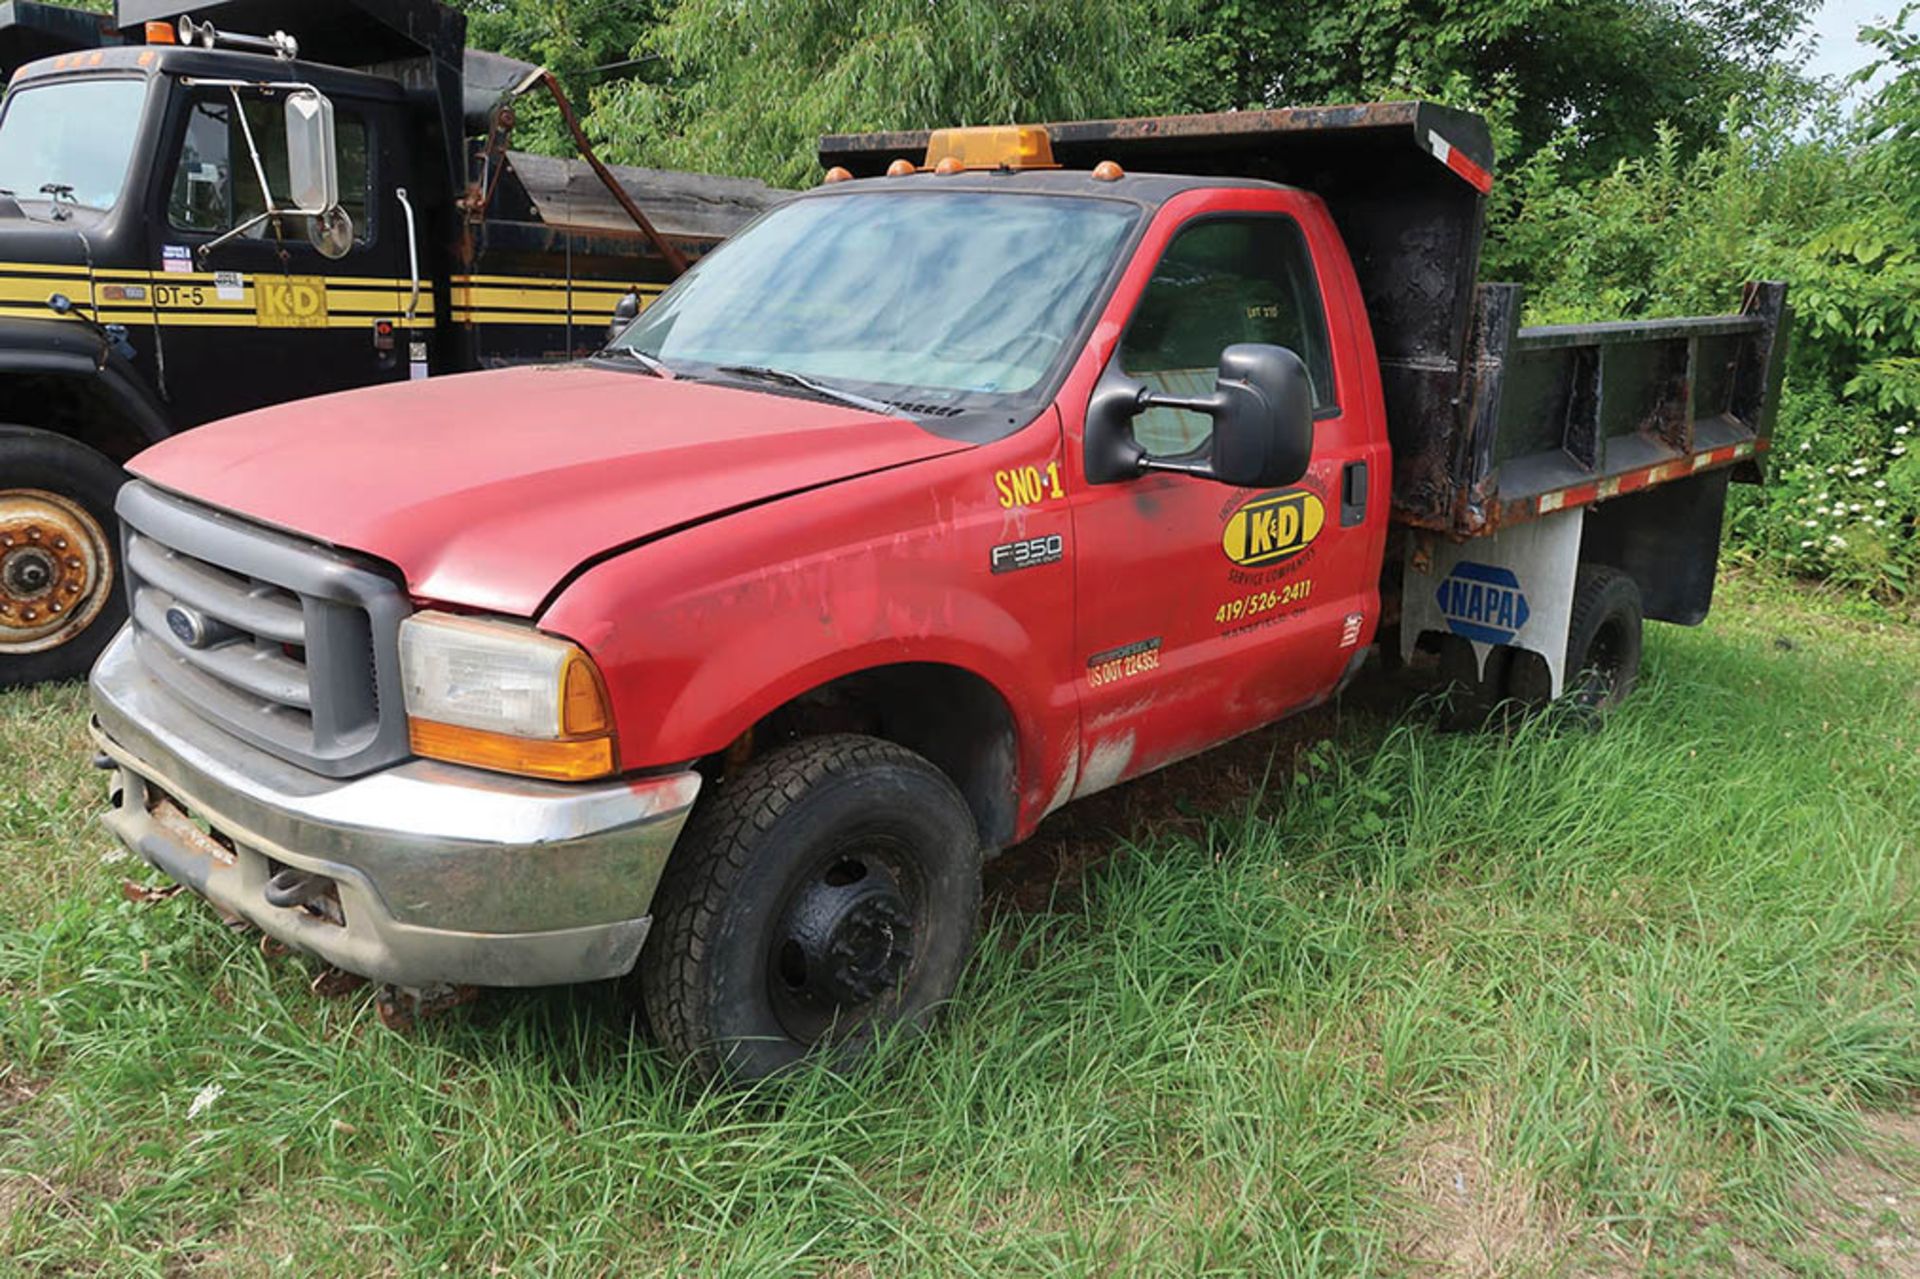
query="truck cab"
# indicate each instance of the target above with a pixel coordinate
(934, 500)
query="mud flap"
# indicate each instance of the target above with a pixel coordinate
(1514, 587)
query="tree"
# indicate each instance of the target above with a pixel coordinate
(749, 85)
(1612, 70)
(583, 42)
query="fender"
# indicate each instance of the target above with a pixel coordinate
(68, 350)
(707, 632)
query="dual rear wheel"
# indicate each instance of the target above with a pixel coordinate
(1604, 646)
(59, 596)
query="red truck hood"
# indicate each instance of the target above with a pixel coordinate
(487, 489)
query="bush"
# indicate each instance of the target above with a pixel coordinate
(1833, 208)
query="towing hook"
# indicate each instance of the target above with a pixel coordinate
(296, 888)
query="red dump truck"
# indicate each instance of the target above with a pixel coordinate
(1004, 466)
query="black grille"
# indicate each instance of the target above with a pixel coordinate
(288, 644)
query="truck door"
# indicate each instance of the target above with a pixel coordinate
(1204, 610)
(264, 319)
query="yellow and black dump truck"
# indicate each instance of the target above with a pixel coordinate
(244, 202)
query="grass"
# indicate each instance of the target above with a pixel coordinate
(1396, 1002)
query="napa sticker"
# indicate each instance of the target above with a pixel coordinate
(1273, 527)
(1484, 603)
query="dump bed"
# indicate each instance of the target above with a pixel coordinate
(1490, 423)
(31, 30)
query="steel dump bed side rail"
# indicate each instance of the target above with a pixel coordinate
(1490, 423)
(1561, 416)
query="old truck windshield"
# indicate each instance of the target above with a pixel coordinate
(70, 141)
(955, 296)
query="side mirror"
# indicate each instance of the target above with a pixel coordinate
(625, 312)
(1262, 411)
(312, 168)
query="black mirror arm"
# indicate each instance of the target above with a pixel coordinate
(1211, 405)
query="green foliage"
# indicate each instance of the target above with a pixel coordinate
(752, 84)
(1832, 206)
(583, 42)
(1614, 68)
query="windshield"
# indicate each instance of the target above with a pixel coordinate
(78, 134)
(956, 295)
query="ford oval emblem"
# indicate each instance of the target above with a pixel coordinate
(190, 630)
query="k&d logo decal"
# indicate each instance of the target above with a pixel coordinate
(1273, 527)
(291, 301)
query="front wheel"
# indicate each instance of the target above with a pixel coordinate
(58, 602)
(825, 894)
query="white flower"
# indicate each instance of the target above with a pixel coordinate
(1838, 541)
(1879, 502)
(1805, 545)
(1898, 430)
(1879, 484)
(1805, 445)
(204, 1099)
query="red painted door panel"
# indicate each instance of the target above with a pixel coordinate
(1204, 611)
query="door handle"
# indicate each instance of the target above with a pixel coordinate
(413, 255)
(1353, 495)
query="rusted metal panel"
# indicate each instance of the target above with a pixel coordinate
(682, 205)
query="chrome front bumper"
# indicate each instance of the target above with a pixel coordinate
(441, 874)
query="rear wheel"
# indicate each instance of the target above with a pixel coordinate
(58, 556)
(1604, 639)
(1469, 690)
(824, 894)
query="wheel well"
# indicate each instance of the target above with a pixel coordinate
(79, 410)
(952, 717)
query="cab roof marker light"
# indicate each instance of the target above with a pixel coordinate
(901, 168)
(161, 33)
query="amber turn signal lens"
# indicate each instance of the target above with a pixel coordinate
(161, 33)
(574, 760)
(583, 700)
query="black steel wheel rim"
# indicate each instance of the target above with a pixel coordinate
(1606, 656)
(846, 938)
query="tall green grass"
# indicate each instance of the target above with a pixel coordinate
(1500, 1003)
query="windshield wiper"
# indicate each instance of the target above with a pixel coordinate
(651, 363)
(786, 377)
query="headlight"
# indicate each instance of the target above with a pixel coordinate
(502, 696)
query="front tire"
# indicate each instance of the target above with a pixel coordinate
(59, 556)
(823, 895)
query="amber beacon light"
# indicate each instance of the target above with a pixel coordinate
(1010, 146)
